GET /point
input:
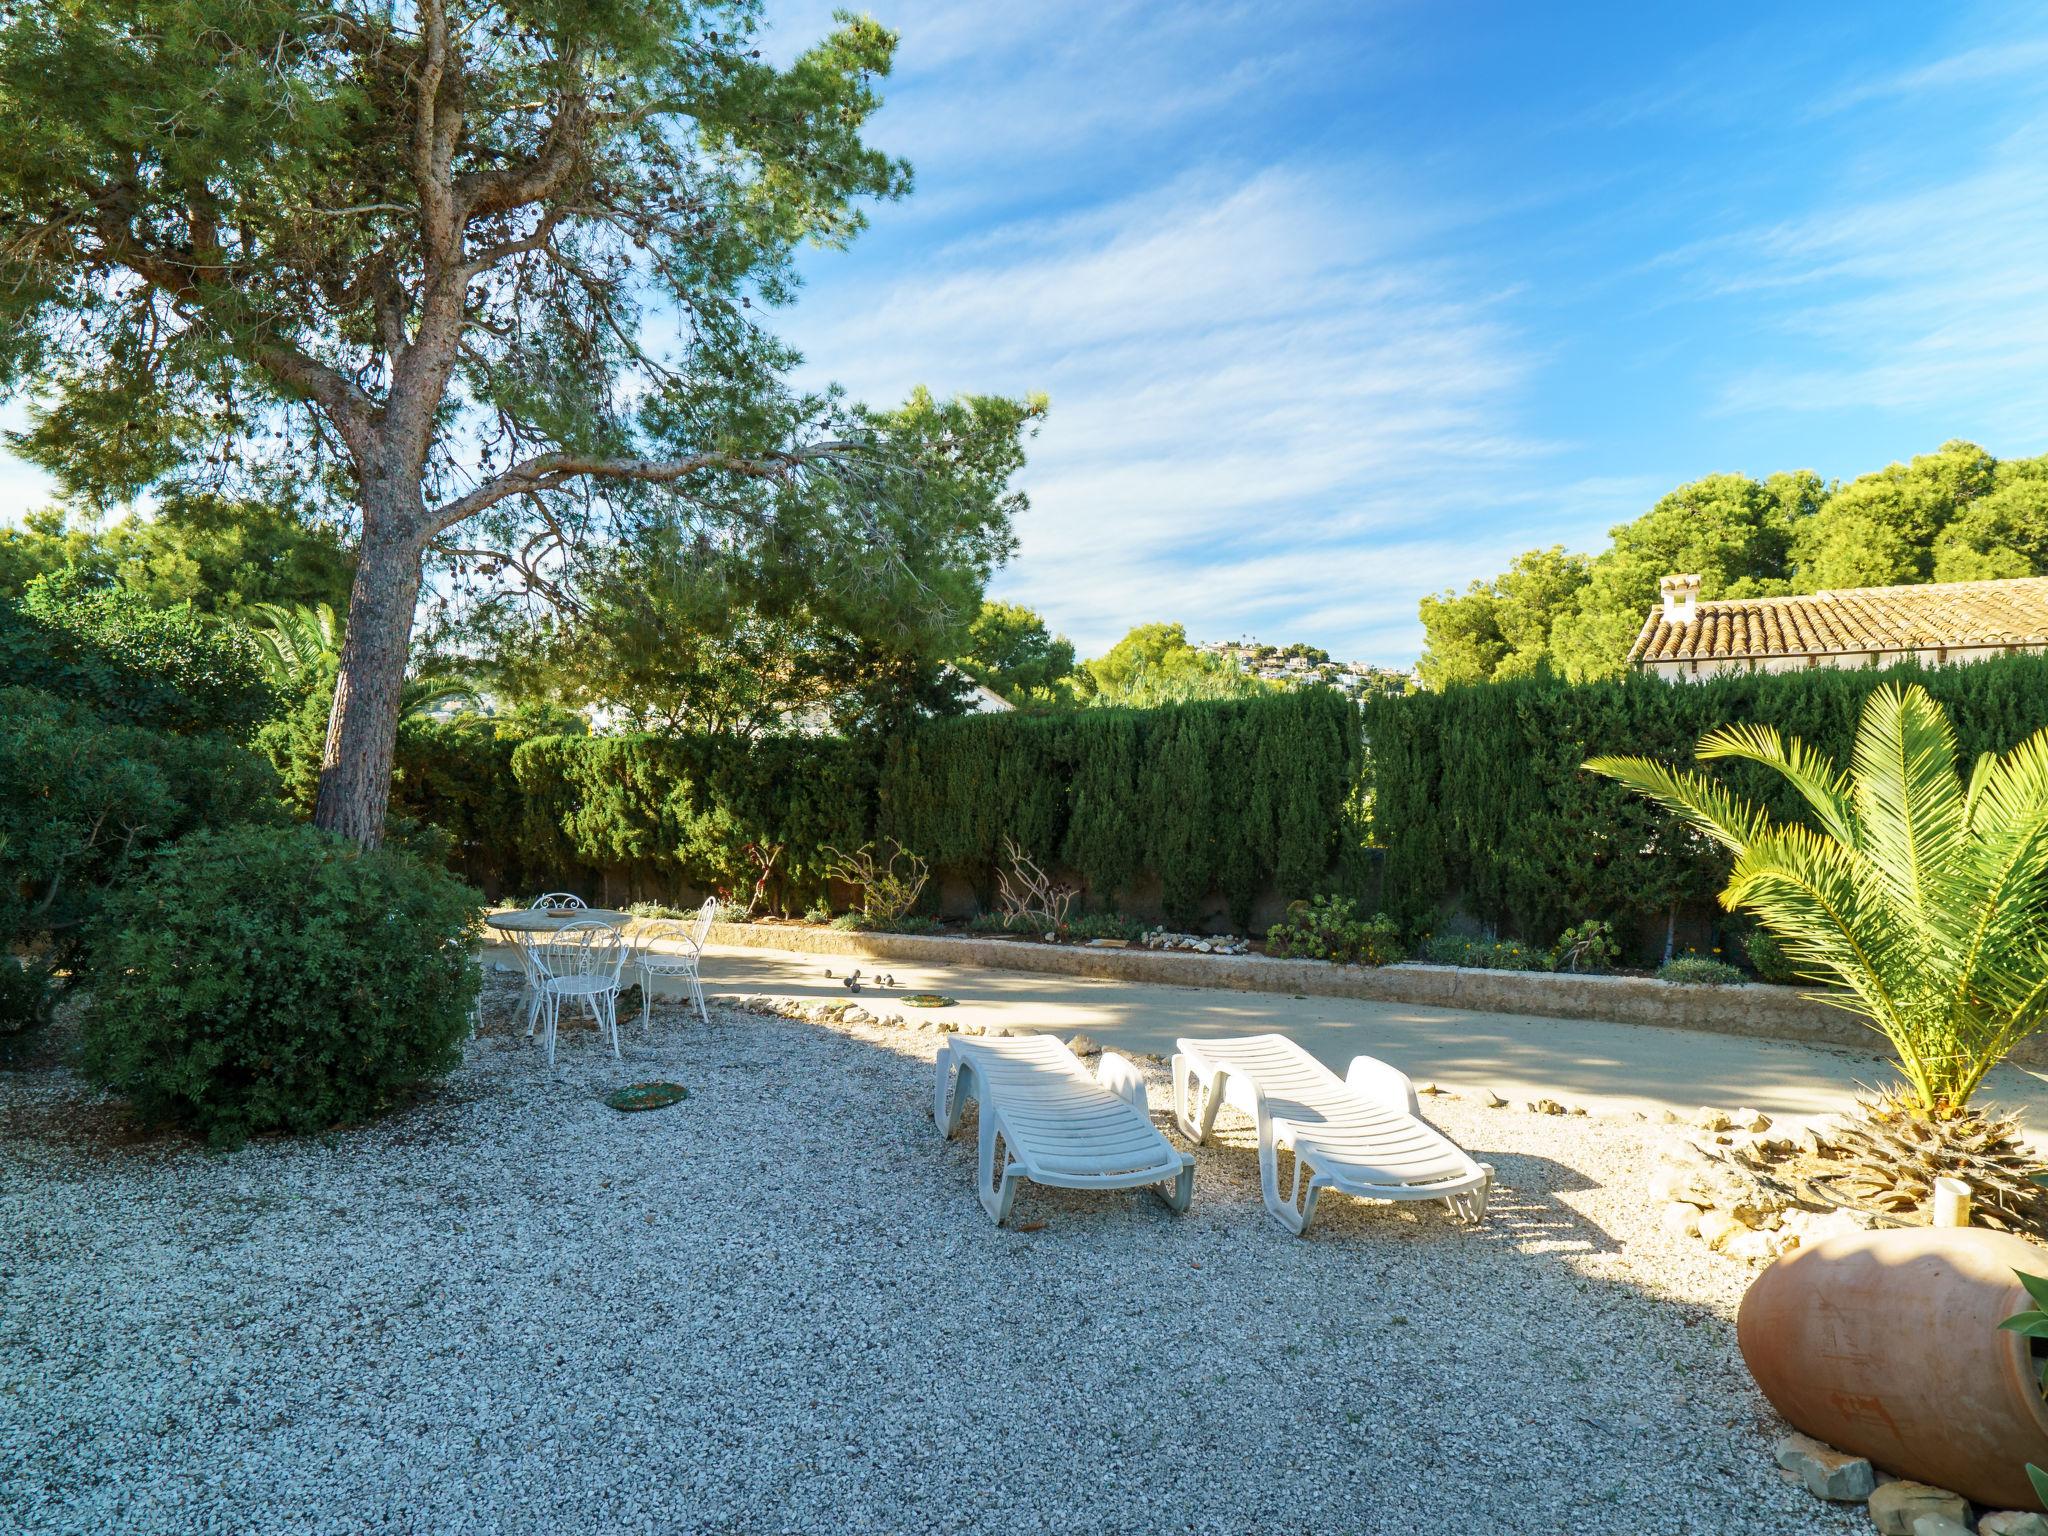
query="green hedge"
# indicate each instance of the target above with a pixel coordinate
(682, 809)
(1234, 796)
(1478, 800)
(1237, 797)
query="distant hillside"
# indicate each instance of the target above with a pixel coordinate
(1305, 664)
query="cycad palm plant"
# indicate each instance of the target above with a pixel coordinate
(300, 648)
(1919, 895)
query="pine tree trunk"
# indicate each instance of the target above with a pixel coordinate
(362, 730)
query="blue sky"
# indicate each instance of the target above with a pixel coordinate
(1339, 304)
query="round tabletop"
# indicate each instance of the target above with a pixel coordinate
(526, 920)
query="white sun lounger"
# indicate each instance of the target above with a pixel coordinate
(1056, 1124)
(1363, 1135)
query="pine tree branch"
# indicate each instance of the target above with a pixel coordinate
(552, 471)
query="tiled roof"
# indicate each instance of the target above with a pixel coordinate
(1948, 614)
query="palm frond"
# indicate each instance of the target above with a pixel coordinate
(1820, 783)
(1909, 800)
(1728, 820)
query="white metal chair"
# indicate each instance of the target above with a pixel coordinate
(682, 960)
(553, 901)
(1362, 1134)
(581, 960)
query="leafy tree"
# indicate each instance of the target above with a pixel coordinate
(1010, 650)
(1734, 532)
(165, 668)
(758, 630)
(486, 274)
(1154, 664)
(1880, 530)
(219, 554)
(2001, 534)
(1501, 628)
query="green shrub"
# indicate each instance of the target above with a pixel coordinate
(81, 801)
(265, 979)
(1007, 922)
(105, 649)
(1330, 928)
(1077, 929)
(1484, 954)
(1702, 970)
(1587, 946)
(25, 994)
(1767, 956)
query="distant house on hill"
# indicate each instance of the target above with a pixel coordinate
(1937, 623)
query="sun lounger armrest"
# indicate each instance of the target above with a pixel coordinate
(1120, 1077)
(1388, 1087)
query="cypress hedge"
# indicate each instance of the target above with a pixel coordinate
(1477, 798)
(1237, 797)
(1233, 797)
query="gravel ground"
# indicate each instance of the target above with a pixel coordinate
(778, 1307)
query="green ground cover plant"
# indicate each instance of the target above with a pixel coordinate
(1332, 928)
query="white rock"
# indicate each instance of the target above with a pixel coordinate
(2012, 1522)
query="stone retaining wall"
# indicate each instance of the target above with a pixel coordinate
(1764, 1012)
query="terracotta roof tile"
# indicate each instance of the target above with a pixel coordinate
(1938, 615)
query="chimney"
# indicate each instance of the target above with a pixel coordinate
(1681, 596)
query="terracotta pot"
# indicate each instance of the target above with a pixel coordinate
(1887, 1345)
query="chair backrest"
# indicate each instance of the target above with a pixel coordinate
(584, 948)
(681, 953)
(559, 901)
(700, 929)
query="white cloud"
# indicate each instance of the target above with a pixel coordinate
(1934, 297)
(2007, 59)
(1263, 415)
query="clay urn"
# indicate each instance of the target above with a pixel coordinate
(1887, 1345)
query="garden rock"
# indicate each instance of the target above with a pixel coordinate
(1717, 1227)
(1826, 1472)
(2013, 1522)
(1897, 1506)
(1084, 1045)
(1938, 1525)
(1546, 1107)
(1713, 1120)
(1195, 943)
(1681, 1219)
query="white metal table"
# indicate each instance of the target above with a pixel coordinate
(528, 926)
